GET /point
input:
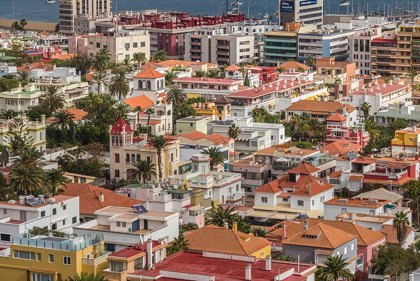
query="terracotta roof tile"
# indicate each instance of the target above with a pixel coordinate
(341, 147)
(391, 233)
(232, 67)
(221, 240)
(304, 169)
(329, 107)
(118, 127)
(196, 135)
(78, 113)
(149, 73)
(337, 118)
(294, 65)
(143, 101)
(335, 174)
(89, 197)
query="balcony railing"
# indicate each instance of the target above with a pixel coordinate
(95, 261)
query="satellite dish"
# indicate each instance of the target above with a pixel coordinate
(175, 186)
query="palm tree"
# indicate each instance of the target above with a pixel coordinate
(241, 224)
(84, 276)
(23, 23)
(159, 143)
(365, 108)
(160, 55)
(243, 70)
(334, 269)
(137, 110)
(213, 73)
(121, 110)
(99, 78)
(337, 84)
(176, 96)
(101, 60)
(23, 76)
(258, 232)
(52, 99)
(222, 70)
(311, 61)
(233, 133)
(63, 121)
(26, 179)
(170, 76)
(145, 170)
(9, 114)
(179, 244)
(218, 216)
(285, 258)
(119, 86)
(92, 102)
(401, 224)
(55, 181)
(139, 58)
(280, 69)
(216, 156)
(30, 157)
(149, 112)
(412, 73)
(199, 73)
(372, 128)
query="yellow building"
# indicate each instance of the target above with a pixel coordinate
(44, 258)
(217, 239)
(407, 141)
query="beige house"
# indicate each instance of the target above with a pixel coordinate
(122, 46)
(126, 150)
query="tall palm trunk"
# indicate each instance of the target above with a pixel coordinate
(159, 155)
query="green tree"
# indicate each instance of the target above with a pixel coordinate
(179, 244)
(84, 276)
(30, 157)
(412, 191)
(52, 98)
(258, 232)
(160, 55)
(412, 73)
(280, 69)
(16, 49)
(170, 76)
(55, 181)
(139, 58)
(233, 133)
(18, 136)
(23, 77)
(23, 23)
(99, 79)
(244, 71)
(176, 96)
(401, 224)
(246, 83)
(101, 60)
(218, 216)
(216, 156)
(310, 61)
(26, 179)
(119, 86)
(373, 130)
(285, 258)
(121, 110)
(149, 111)
(334, 268)
(181, 111)
(159, 143)
(366, 108)
(222, 70)
(199, 73)
(213, 73)
(145, 170)
(63, 121)
(9, 114)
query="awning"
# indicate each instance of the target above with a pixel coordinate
(389, 206)
(271, 104)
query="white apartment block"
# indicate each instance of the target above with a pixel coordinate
(122, 226)
(59, 213)
(121, 45)
(360, 49)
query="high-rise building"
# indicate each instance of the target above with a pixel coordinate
(68, 9)
(306, 12)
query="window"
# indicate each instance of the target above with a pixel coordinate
(300, 203)
(411, 139)
(117, 266)
(54, 211)
(338, 253)
(143, 44)
(191, 125)
(51, 258)
(117, 173)
(24, 255)
(64, 222)
(54, 226)
(124, 224)
(343, 210)
(66, 260)
(372, 212)
(345, 250)
(64, 207)
(313, 202)
(74, 220)
(135, 45)
(118, 223)
(285, 199)
(42, 277)
(5, 237)
(39, 256)
(42, 214)
(5, 211)
(98, 45)
(352, 247)
(264, 199)
(117, 158)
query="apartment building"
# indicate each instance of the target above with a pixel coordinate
(323, 43)
(307, 12)
(121, 45)
(69, 9)
(403, 110)
(384, 54)
(279, 47)
(209, 88)
(126, 150)
(46, 258)
(361, 50)
(408, 51)
(59, 213)
(122, 226)
(35, 129)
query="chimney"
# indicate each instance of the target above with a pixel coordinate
(149, 254)
(268, 263)
(248, 272)
(309, 189)
(235, 226)
(344, 110)
(305, 225)
(101, 197)
(226, 225)
(284, 235)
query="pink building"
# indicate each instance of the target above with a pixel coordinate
(78, 44)
(337, 129)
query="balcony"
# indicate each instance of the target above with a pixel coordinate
(236, 197)
(103, 257)
(222, 53)
(193, 43)
(225, 47)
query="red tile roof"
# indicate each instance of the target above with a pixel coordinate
(135, 250)
(341, 147)
(118, 127)
(294, 65)
(304, 169)
(89, 197)
(143, 101)
(149, 73)
(391, 233)
(78, 113)
(232, 68)
(196, 135)
(328, 107)
(337, 118)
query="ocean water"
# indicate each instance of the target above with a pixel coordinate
(37, 10)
